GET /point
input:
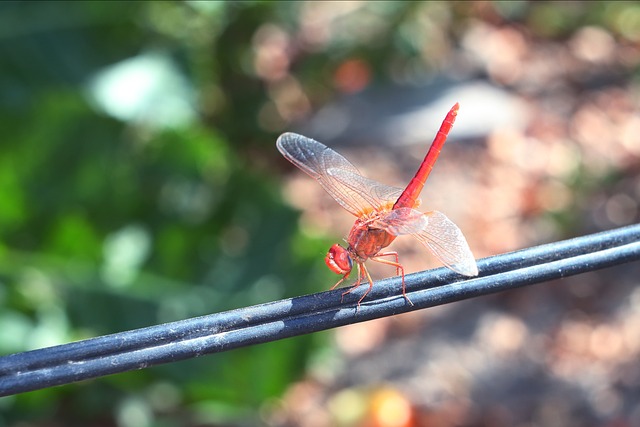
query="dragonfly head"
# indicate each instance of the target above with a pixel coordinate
(338, 260)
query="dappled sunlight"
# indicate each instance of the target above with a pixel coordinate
(145, 90)
(141, 184)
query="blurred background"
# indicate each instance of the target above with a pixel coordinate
(140, 184)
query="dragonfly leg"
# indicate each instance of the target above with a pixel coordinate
(340, 281)
(397, 265)
(355, 285)
(370, 285)
(362, 274)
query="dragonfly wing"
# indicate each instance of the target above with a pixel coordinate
(366, 193)
(402, 221)
(446, 242)
(336, 175)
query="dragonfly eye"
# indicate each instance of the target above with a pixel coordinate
(338, 260)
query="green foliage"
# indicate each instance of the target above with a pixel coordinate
(108, 225)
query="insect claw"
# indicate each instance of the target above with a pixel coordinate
(404, 289)
(365, 294)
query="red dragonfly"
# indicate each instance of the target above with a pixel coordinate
(382, 212)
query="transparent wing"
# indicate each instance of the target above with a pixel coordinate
(434, 230)
(337, 175)
(402, 221)
(446, 242)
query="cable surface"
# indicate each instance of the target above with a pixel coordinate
(169, 342)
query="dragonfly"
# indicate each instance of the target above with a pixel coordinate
(382, 212)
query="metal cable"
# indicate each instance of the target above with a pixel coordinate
(228, 330)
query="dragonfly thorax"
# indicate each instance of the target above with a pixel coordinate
(366, 241)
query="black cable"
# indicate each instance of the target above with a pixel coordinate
(218, 332)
